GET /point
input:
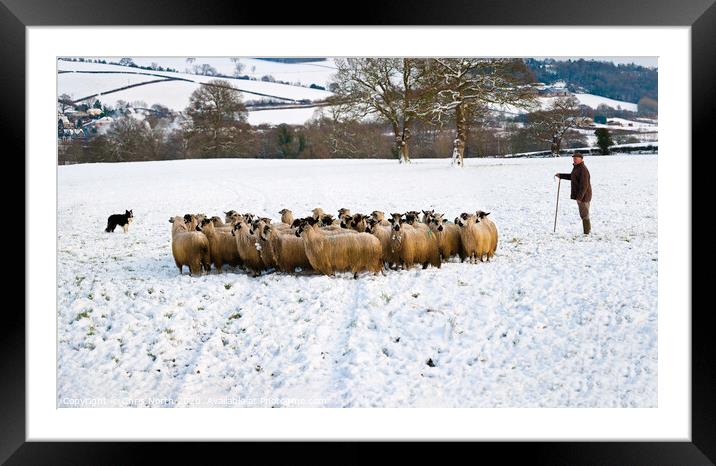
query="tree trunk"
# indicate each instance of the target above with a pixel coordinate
(458, 150)
(405, 152)
(401, 143)
(556, 145)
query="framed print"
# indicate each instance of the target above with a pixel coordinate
(459, 211)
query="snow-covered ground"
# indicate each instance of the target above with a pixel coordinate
(554, 320)
(595, 101)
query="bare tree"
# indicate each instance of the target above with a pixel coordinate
(190, 62)
(126, 61)
(129, 140)
(65, 101)
(205, 69)
(387, 88)
(238, 66)
(216, 113)
(551, 124)
(466, 86)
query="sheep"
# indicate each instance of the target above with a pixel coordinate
(328, 220)
(190, 248)
(265, 247)
(331, 229)
(318, 213)
(246, 244)
(493, 231)
(379, 217)
(286, 249)
(220, 226)
(475, 237)
(340, 253)
(286, 216)
(414, 246)
(359, 223)
(343, 213)
(448, 235)
(222, 247)
(191, 222)
(383, 233)
(412, 217)
(428, 216)
(230, 216)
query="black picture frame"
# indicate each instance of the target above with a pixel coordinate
(700, 15)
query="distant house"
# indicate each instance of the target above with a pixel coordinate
(99, 125)
(600, 119)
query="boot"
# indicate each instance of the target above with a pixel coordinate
(587, 225)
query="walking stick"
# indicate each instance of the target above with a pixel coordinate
(559, 183)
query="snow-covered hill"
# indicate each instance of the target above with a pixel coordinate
(85, 81)
(555, 320)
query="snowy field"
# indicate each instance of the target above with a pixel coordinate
(555, 320)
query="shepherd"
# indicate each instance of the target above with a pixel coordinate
(581, 188)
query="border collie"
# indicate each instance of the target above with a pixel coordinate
(119, 219)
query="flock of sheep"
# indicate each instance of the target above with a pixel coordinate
(349, 243)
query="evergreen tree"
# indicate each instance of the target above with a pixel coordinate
(604, 140)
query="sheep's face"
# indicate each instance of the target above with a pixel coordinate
(437, 221)
(235, 218)
(465, 219)
(370, 225)
(428, 215)
(377, 215)
(305, 224)
(411, 217)
(284, 211)
(358, 222)
(395, 221)
(326, 220)
(256, 226)
(265, 232)
(228, 216)
(216, 221)
(205, 225)
(343, 212)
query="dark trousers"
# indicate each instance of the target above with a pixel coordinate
(583, 210)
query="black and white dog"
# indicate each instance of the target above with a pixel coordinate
(119, 219)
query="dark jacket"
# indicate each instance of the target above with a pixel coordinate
(581, 186)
